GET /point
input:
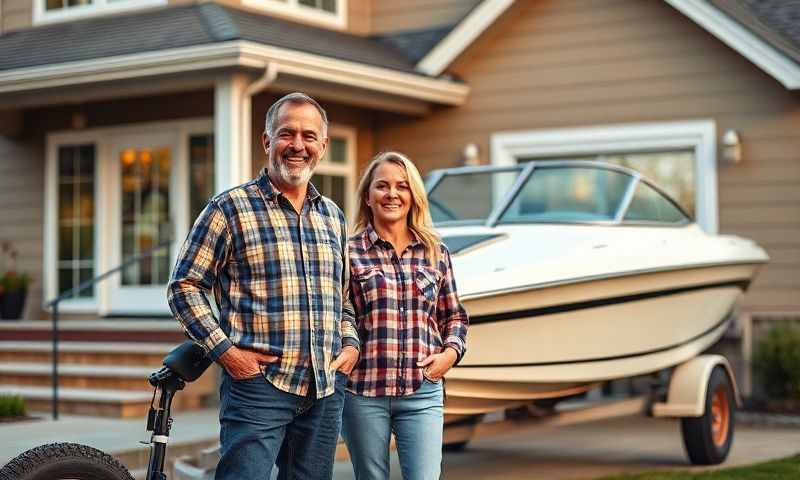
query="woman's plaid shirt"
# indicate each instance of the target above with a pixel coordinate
(405, 310)
(278, 278)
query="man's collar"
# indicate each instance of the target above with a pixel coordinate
(271, 191)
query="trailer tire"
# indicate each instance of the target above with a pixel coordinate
(64, 460)
(708, 438)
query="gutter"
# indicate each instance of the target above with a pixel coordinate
(233, 54)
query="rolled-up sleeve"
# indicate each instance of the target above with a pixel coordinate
(202, 256)
(450, 313)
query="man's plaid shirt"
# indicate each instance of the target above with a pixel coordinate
(405, 309)
(279, 280)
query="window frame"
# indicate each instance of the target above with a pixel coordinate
(698, 135)
(98, 7)
(104, 251)
(293, 9)
(346, 169)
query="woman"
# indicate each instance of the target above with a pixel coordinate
(411, 324)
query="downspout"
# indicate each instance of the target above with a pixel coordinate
(269, 76)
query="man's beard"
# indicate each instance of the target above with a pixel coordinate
(281, 168)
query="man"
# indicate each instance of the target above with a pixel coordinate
(273, 250)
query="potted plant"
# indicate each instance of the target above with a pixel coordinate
(13, 285)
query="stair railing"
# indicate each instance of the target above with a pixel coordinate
(74, 291)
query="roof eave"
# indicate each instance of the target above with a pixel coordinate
(771, 60)
(232, 54)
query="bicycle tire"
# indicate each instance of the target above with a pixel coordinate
(72, 461)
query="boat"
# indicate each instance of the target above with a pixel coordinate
(575, 273)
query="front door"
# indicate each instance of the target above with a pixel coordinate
(143, 197)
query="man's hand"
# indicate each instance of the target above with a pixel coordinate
(438, 364)
(241, 363)
(346, 360)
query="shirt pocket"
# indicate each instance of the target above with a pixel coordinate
(426, 281)
(371, 286)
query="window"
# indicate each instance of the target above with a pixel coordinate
(679, 157)
(334, 177)
(46, 11)
(76, 205)
(145, 178)
(201, 173)
(329, 13)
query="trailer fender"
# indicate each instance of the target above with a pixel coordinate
(686, 396)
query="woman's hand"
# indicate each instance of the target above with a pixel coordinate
(346, 360)
(438, 364)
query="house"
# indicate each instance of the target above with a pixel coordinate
(119, 119)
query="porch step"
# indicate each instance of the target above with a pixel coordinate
(101, 379)
(96, 402)
(106, 330)
(71, 375)
(93, 353)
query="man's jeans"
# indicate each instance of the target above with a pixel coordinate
(416, 421)
(261, 426)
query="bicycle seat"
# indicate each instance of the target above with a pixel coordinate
(188, 360)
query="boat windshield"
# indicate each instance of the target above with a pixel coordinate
(470, 198)
(557, 193)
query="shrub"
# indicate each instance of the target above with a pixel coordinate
(12, 406)
(777, 362)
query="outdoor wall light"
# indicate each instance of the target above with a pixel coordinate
(731, 147)
(471, 155)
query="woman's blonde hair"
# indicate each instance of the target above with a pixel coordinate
(419, 217)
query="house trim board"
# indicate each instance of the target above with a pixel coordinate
(462, 36)
(99, 7)
(238, 53)
(698, 135)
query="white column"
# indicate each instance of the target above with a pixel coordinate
(232, 123)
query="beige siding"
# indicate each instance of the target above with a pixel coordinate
(560, 64)
(359, 19)
(417, 14)
(16, 15)
(22, 198)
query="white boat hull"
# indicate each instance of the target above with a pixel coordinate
(553, 341)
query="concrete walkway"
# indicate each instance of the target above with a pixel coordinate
(118, 437)
(585, 451)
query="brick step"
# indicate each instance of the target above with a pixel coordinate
(115, 377)
(100, 402)
(91, 353)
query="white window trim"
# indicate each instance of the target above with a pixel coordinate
(103, 139)
(346, 169)
(699, 135)
(293, 9)
(98, 7)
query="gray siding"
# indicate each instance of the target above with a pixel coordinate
(22, 198)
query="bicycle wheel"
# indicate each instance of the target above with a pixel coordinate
(64, 461)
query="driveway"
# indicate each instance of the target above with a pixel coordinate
(591, 450)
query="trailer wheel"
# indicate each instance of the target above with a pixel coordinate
(708, 438)
(64, 461)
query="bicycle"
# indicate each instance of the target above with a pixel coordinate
(73, 461)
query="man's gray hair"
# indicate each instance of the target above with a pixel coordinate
(296, 97)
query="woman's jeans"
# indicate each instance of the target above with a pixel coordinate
(416, 421)
(261, 426)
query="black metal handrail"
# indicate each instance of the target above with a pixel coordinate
(72, 292)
